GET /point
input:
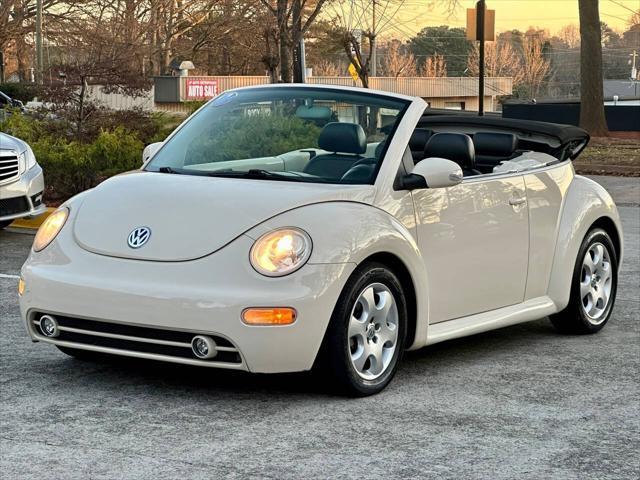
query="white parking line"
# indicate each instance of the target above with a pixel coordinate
(14, 277)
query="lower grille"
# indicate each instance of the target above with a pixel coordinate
(12, 206)
(36, 200)
(9, 168)
(171, 343)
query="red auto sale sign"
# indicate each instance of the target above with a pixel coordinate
(199, 89)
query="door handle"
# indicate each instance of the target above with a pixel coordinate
(517, 201)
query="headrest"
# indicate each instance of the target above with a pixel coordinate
(419, 139)
(452, 146)
(343, 138)
(495, 144)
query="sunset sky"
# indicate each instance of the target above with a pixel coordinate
(510, 14)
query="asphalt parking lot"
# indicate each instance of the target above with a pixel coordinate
(521, 402)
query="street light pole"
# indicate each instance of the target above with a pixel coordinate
(374, 43)
(480, 9)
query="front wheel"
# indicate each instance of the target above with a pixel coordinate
(593, 290)
(366, 335)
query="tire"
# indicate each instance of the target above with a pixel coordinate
(5, 223)
(364, 363)
(594, 286)
(85, 355)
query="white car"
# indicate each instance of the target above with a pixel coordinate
(21, 181)
(286, 227)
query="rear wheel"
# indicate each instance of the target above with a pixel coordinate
(593, 290)
(365, 339)
(5, 223)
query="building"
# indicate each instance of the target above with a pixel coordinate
(172, 94)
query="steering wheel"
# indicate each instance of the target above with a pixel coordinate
(365, 161)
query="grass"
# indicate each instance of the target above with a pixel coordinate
(610, 156)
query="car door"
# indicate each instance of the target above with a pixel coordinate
(474, 238)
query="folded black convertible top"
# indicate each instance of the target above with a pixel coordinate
(564, 133)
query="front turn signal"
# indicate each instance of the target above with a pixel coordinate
(269, 316)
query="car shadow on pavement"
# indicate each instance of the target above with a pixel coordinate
(161, 376)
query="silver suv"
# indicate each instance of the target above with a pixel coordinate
(21, 181)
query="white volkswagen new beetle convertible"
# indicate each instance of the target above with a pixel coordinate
(286, 227)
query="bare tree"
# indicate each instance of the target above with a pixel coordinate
(359, 28)
(293, 20)
(397, 63)
(570, 34)
(500, 60)
(592, 117)
(434, 66)
(534, 65)
(325, 68)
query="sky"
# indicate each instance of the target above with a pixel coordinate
(510, 14)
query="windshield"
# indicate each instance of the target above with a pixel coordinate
(291, 134)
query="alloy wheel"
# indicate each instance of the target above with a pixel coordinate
(373, 331)
(596, 282)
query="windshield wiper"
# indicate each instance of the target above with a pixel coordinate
(255, 173)
(251, 173)
(169, 170)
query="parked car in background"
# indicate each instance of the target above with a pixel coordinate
(282, 228)
(21, 181)
(7, 103)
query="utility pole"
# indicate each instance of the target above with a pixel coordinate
(1, 66)
(480, 8)
(39, 52)
(298, 47)
(634, 70)
(374, 43)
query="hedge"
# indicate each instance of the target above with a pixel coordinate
(71, 165)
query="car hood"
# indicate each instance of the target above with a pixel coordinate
(190, 216)
(7, 142)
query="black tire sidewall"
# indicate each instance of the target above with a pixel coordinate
(337, 343)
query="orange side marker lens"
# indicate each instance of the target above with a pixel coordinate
(269, 316)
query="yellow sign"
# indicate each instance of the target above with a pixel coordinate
(353, 71)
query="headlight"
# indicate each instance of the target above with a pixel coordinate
(50, 228)
(281, 252)
(27, 160)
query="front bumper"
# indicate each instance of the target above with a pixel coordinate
(26, 193)
(204, 296)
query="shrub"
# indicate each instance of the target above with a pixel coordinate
(116, 151)
(71, 166)
(67, 166)
(255, 136)
(24, 92)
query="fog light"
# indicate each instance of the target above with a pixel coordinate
(21, 287)
(269, 316)
(49, 326)
(204, 347)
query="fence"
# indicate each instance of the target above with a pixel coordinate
(619, 117)
(169, 93)
(425, 87)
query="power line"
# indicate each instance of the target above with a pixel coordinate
(624, 6)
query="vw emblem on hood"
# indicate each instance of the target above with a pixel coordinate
(139, 236)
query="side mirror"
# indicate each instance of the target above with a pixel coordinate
(150, 150)
(433, 172)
